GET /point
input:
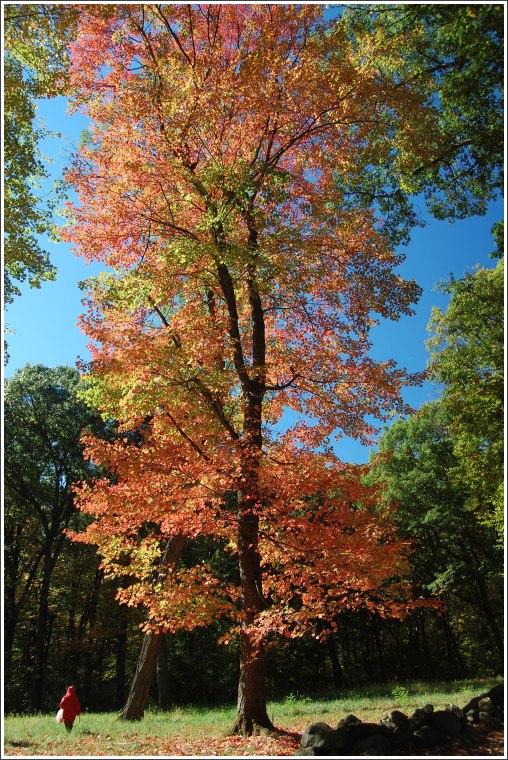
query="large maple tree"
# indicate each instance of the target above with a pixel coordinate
(240, 284)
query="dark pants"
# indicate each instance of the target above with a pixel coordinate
(68, 726)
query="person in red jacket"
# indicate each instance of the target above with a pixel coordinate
(70, 706)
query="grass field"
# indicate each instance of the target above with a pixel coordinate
(201, 731)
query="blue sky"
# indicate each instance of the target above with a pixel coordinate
(44, 320)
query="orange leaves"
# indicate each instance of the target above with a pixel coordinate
(242, 282)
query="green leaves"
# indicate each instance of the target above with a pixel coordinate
(453, 56)
(34, 66)
(467, 348)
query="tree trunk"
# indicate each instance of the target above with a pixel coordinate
(163, 675)
(40, 651)
(9, 629)
(338, 675)
(147, 662)
(136, 701)
(40, 638)
(485, 604)
(379, 649)
(496, 635)
(252, 717)
(454, 656)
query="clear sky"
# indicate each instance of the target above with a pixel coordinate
(44, 320)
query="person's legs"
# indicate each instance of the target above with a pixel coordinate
(68, 726)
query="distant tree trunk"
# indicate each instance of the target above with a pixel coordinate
(414, 649)
(147, 662)
(43, 617)
(423, 646)
(379, 649)
(338, 675)
(12, 551)
(454, 656)
(485, 603)
(121, 655)
(496, 635)
(86, 630)
(163, 675)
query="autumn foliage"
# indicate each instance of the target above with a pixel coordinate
(240, 285)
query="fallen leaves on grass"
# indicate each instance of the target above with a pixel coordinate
(477, 741)
(102, 745)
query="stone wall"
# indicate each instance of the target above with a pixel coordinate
(425, 728)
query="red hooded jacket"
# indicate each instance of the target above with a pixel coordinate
(70, 705)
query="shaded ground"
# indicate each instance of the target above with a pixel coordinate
(477, 740)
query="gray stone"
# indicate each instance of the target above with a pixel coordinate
(398, 717)
(490, 721)
(450, 707)
(496, 695)
(425, 728)
(402, 734)
(490, 714)
(446, 722)
(471, 705)
(420, 716)
(323, 737)
(376, 745)
(348, 720)
(425, 736)
(487, 706)
(385, 721)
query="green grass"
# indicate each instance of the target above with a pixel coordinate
(191, 730)
(372, 702)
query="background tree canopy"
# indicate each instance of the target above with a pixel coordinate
(460, 47)
(35, 66)
(467, 348)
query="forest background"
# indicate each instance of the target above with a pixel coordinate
(68, 627)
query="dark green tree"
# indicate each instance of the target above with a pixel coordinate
(461, 48)
(43, 422)
(455, 557)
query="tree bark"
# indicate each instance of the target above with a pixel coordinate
(496, 635)
(252, 717)
(485, 602)
(147, 662)
(379, 649)
(43, 616)
(136, 701)
(338, 675)
(454, 656)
